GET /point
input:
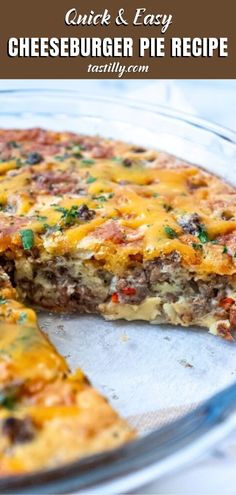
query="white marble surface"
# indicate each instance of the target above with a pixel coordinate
(215, 101)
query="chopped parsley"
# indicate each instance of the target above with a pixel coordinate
(27, 238)
(60, 158)
(76, 147)
(171, 233)
(91, 179)
(41, 218)
(7, 400)
(2, 300)
(61, 209)
(225, 250)
(22, 318)
(203, 235)
(117, 159)
(103, 198)
(69, 215)
(197, 246)
(76, 151)
(19, 163)
(87, 161)
(155, 195)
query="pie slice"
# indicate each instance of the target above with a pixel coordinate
(48, 416)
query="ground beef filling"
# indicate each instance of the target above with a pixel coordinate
(71, 285)
(18, 430)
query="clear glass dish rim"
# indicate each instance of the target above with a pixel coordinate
(221, 131)
(110, 467)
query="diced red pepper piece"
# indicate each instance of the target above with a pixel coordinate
(115, 297)
(226, 302)
(128, 291)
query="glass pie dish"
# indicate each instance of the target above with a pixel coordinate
(175, 386)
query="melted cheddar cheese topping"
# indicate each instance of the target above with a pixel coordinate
(139, 202)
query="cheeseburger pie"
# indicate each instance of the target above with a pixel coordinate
(90, 225)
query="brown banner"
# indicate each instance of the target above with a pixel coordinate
(177, 38)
